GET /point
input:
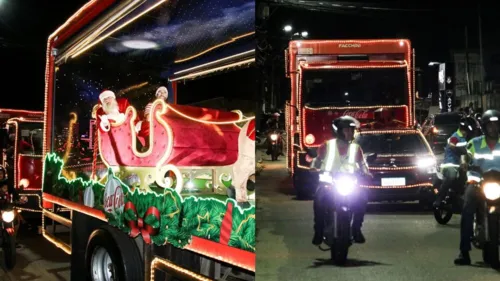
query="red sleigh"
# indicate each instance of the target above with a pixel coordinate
(180, 138)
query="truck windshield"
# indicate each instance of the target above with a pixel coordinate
(355, 87)
(392, 143)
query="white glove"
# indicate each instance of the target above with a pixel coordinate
(105, 125)
(138, 126)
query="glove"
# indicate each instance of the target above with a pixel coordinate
(138, 126)
(104, 124)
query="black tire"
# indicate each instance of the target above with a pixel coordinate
(443, 215)
(493, 255)
(122, 250)
(341, 245)
(9, 251)
(274, 154)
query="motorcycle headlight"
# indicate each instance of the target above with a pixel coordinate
(274, 137)
(345, 185)
(326, 178)
(8, 216)
(491, 190)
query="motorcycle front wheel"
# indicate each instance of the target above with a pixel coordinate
(9, 250)
(340, 247)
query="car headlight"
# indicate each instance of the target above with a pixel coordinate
(8, 216)
(426, 162)
(274, 137)
(491, 190)
(345, 185)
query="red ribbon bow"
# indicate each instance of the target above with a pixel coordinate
(139, 226)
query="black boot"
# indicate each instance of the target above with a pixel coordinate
(463, 259)
(318, 238)
(358, 236)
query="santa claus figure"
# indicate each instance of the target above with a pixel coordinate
(244, 167)
(162, 93)
(111, 111)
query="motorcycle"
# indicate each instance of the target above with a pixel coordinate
(8, 237)
(275, 143)
(487, 220)
(453, 200)
(338, 233)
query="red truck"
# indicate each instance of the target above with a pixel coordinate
(141, 182)
(371, 80)
(21, 143)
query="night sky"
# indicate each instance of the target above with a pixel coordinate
(25, 26)
(434, 27)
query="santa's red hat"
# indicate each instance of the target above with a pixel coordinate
(106, 94)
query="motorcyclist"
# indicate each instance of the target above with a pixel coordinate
(272, 126)
(480, 152)
(347, 156)
(273, 122)
(452, 176)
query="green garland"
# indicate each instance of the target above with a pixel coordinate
(179, 218)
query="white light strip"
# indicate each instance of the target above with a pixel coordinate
(216, 61)
(86, 42)
(196, 74)
(118, 28)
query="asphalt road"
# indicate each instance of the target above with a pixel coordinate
(403, 241)
(37, 260)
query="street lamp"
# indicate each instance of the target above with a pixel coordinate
(287, 28)
(304, 33)
(432, 63)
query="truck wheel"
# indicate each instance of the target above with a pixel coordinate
(113, 255)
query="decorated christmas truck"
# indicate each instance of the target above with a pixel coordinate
(21, 143)
(148, 188)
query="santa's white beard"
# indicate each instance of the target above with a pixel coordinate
(111, 108)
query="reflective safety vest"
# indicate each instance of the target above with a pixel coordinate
(451, 158)
(334, 162)
(482, 156)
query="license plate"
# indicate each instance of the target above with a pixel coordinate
(393, 181)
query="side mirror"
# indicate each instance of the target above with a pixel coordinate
(370, 157)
